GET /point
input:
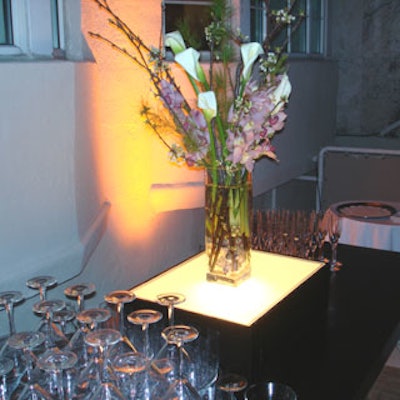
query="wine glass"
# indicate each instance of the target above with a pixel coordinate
(6, 367)
(134, 379)
(322, 231)
(138, 379)
(170, 300)
(89, 320)
(42, 283)
(94, 317)
(53, 335)
(79, 292)
(182, 373)
(55, 362)
(270, 391)
(26, 342)
(204, 352)
(145, 318)
(105, 388)
(229, 384)
(130, 368)
(8, 300)
(119, 298)
(66, 319)
(334, 232)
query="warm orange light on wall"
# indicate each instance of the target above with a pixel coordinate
(128, 161)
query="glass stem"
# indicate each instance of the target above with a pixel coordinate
(3, 388)
(56, 377)
(180, 349)
(171, 314)
(81, 302)
(42, 293)
(10, 314)
(102, 363)
(146, 344)
(334, 254)
(120, 311)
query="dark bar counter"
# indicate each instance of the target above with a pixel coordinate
(328, 339)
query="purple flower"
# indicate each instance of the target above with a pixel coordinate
(197, 137)
(170, 96)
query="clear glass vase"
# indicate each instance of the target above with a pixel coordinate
(228, 219)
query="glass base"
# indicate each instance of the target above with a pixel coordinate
(233, 278)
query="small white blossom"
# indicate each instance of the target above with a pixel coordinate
(208, 103)
(282, 92)
(175, 41)
(189, 61)
(250, 52)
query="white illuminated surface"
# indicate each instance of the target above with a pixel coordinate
(273, 277)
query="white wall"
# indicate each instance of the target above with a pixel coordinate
(38, 214)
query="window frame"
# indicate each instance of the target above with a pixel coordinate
(168, 53)
(34, 30)
(308, 31)
(6, 21)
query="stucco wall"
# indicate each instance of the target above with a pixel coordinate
(365, 41)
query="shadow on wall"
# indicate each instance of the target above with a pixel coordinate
(64, 266)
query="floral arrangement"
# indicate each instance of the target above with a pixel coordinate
(234, 131)
(230, 126)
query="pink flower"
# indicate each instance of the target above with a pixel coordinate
(170, 96)
(277, 120)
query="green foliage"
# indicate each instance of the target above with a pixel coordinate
(191, 39)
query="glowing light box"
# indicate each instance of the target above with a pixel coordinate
(273, 277)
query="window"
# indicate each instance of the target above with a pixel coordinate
(5, 23)
(308, 39)
(190, 17)
(31, 27)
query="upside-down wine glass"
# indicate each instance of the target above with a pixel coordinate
(8, 300)
(170, 300)
(28, 388)
(334, 232)
(6, 367)
(229, 384)
(145, 318)
(94, 317)
(181, 387)
(79, 292)
(56, 362)
(88, 320)
(137, 379)
(66, 319)
(53, 335)
(42, 283)
(270, 391)
(130, 369)
(322, 231)
(106, 388)
(119, 298)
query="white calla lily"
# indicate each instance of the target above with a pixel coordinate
(175, 41)
(250, 52)
(208, 103)
(282, 92)
(189, 61)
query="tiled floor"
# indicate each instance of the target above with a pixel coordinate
(387, 386)
(394, 359)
